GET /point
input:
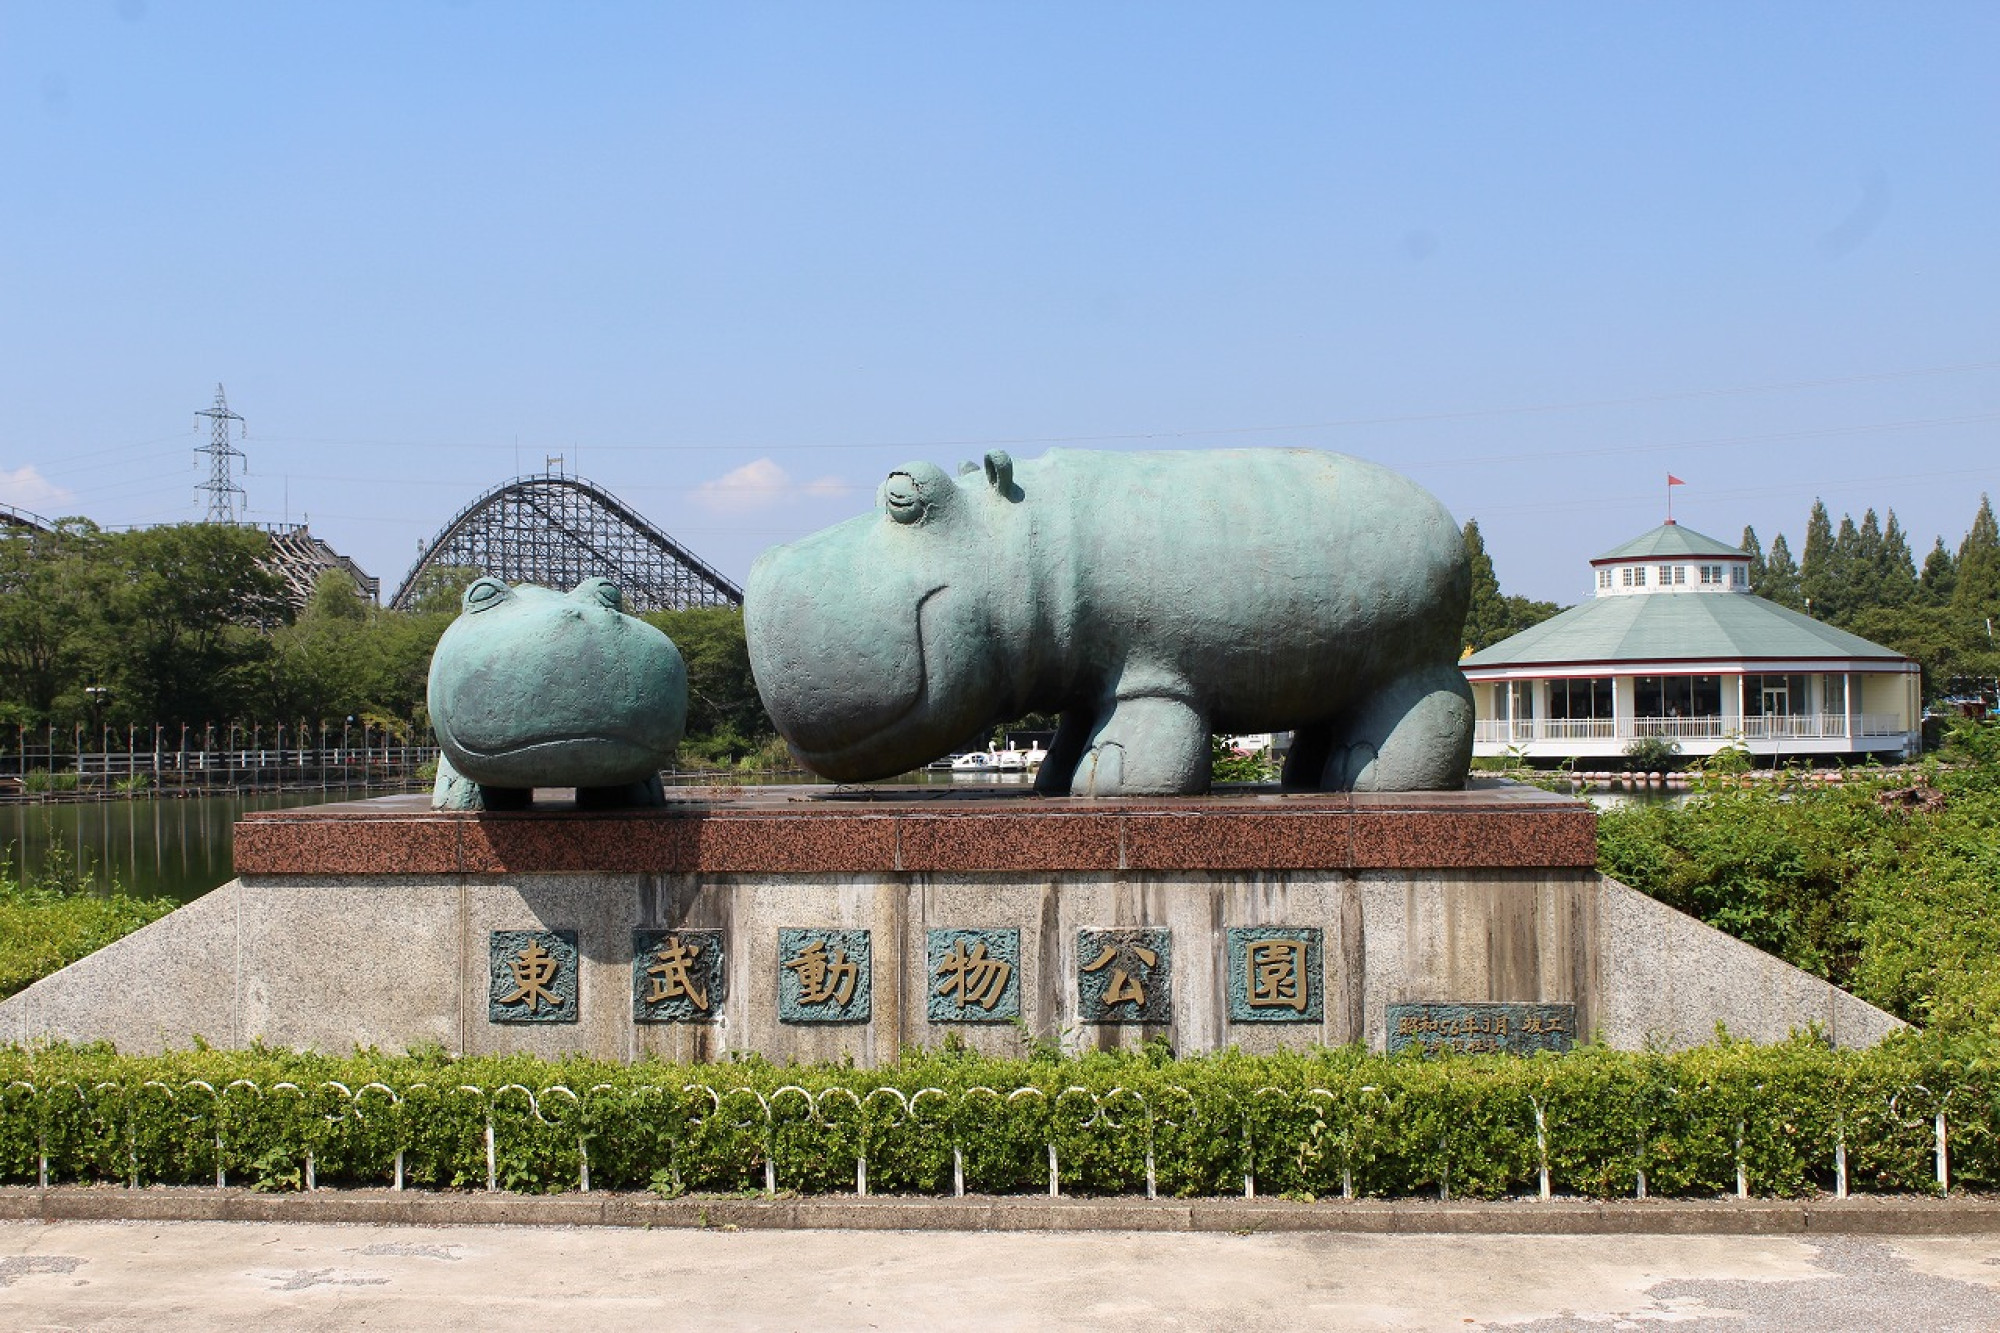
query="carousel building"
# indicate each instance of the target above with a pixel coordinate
(1675, 646)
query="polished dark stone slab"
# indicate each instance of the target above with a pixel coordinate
(813, 829)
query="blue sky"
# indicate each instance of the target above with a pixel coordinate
(735, 261)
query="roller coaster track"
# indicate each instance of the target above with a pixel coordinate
(20, 520)
(557, 531)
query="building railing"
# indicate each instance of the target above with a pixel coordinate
(1803, 726)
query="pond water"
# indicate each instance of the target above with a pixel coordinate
(182, 848)
(169, 848)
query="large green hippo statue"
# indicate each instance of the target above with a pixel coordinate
(535, 688)
(1151, 598)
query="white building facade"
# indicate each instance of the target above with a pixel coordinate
(1675, 646)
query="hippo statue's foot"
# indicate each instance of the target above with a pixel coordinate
(455, 791)
(1151, 746)
(1414, 735)
(646, 792)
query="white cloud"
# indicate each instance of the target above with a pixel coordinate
(757, 485)
(761, 485)
(26, 488)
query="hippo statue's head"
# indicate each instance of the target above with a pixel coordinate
(870, 640)
(531, 687)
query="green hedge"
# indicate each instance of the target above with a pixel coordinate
(1318, 1125)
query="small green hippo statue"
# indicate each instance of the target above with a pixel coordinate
(535, 688)
(1150, 598)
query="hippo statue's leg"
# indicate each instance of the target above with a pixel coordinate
(506, 798)
(633, 795)
(1305, 762)
(1065, 752)
(1415, 734)
(1154, 745)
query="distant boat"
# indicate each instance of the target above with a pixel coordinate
(1011, 760)
(974, 761)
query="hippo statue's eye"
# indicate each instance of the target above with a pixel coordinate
(904, 499)
(484, 594)
(602, 591)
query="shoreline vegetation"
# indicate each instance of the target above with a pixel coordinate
(55, 916)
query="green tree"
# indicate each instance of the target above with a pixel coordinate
(1491, 616)
(53, 590)
(1864, 561)
(439, 588)
(1939, 578)
(190, 610)
(1485, 614)
(1781, 576)
(1753, 548)
(1817, 575)
(726, 719)
(1896, 569)
(1976, 596)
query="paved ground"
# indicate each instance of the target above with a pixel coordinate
(316, 1276)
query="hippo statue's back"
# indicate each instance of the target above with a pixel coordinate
(1149, 597)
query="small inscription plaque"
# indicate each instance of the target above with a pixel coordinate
(1517, 1029)
(677, 976)
(1125, 975)
(1276, 974)
(531, 976)
(823, 975)
(975, 975)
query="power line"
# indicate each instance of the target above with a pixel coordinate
(1527, 409)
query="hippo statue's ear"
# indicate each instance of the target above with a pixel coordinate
(1000, 472)
(967, 468)
(484, 595)
(601, 591)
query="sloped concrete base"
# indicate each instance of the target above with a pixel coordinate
(332, 962)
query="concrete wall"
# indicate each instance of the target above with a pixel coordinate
(330, 963)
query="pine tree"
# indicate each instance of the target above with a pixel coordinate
(1940, 576)
(1976, 598)
(1815, 575)
(1486, 614)
(1781, 576)
(1753, 548)
(1491, 617)
(1896, 570)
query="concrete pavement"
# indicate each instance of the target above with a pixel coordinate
(317, 1276)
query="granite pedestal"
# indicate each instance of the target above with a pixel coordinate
(817, 923)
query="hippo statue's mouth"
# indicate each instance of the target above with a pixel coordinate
(584, 759)
(608, 746)
(889, 743)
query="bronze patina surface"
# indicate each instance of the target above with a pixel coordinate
(1149, 598)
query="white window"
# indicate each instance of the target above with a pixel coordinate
(1603, 578)
(1739, 576)
(1711, 576)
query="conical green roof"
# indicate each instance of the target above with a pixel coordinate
(1670, 539)
(1676, 626)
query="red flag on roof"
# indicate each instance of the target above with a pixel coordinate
(1672, 480)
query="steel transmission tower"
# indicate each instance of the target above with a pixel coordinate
(223, 492)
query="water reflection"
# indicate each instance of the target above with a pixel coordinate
(177, 849)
